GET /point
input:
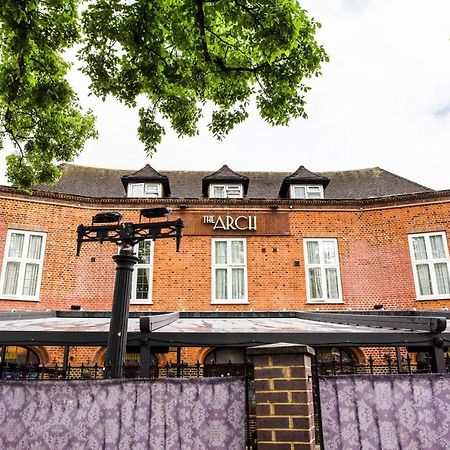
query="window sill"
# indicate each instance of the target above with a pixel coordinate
(141, 302)
(18, 299)
(325, 302)
(230, 302)
(433, 297)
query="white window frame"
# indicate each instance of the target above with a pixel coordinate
(227, 190)
(149, 300)
(322, 267)
(430, 261)
(144, 187)
(309, 190)
(23, 261)
(229, 266)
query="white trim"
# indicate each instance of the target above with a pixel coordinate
(322, 266)
(227, 190)
(143, 301)
(430, 262)
(144, 186)
(228, 266)
(309, 190)
(23, 261)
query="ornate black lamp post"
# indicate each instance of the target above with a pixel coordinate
(107, 227)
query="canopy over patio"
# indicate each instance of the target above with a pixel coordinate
(359, 328)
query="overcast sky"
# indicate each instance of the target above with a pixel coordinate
(383, 100)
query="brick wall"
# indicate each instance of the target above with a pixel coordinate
(373, 251)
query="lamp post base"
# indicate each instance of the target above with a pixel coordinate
(117, 337)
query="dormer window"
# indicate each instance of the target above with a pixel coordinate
(306, 191)
(225, 183)
(149, 190)
(225, 191)
(303, 184)
(146, 183)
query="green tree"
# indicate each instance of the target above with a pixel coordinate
(171, 55)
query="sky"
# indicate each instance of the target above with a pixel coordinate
(382, 100)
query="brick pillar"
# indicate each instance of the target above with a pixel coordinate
(284, 400)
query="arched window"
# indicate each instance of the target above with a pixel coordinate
(19, 363)
(226, 361)
(23, 356)
(335, 360)
(132, 367)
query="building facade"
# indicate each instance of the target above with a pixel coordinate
(251, 242)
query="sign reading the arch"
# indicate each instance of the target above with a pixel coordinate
(239, 223)
(227, 223)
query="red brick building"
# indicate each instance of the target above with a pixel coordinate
(260, 241)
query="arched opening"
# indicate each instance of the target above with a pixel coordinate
(132, 364)
(226, 362)
(335, 360)
(19, 363)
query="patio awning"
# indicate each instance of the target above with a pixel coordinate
(359, 328)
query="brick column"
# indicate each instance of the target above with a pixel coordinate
(284, 401)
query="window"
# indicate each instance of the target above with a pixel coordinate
(22, 265)
(303, 191)
(225, 191)
(143, 273)
(152, 190)
(430, 259)
(229, 271)
(334, 360)
(322, 271)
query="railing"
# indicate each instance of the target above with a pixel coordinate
(387, 365)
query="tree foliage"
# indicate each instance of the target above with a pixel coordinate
(172, 56)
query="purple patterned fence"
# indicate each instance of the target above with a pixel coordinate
(175, 414)
(388, 412)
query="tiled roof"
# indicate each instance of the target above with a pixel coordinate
(350, 184)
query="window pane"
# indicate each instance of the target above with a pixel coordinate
(437, 246)
(221, 252)
(218, 192)
(16, 245)
(314, 195)
(420, 251)
(332, 283)
(30, 279)
(137, 190)
(11, 278)
(423, 275)
(144, 252)
(151, 190)
(237, 252)
(34, 247)
(299, 192)
(442, 278)
(313, 252)
(233, 192)
(315, 282)
(221, 284)
(329, 252)
(142, 284)
(237, 276)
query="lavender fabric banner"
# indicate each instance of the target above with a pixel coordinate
(174, 414)
(386, 412)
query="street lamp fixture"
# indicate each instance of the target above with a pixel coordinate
(107, 217)
(107, 227)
